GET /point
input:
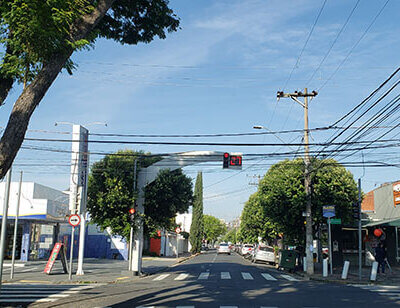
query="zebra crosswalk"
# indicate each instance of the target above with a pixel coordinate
(224, 276)
(28, 294)
(390, 292)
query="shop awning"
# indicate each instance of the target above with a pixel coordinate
(391, 222)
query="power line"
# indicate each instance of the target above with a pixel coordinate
(354, 46)
(305, 45)
(334, 42)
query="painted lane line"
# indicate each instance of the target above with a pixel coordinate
(161, 277)
(28, 300)
(13, 292)
(225, 275)
(184, 306)
(247, 276)
(34, 295)
(268, 277)
(228, 306)
(204, 275)
(181, 277)
(290, 278)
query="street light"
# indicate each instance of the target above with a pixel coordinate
(273, 133)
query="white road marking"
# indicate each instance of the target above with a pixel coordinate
(28, 300)
(35, 295)
(184, 306)
(268, 277)
(161, 277)
(289, 278)
(204, 275)
(247, 276)
(39, 292)
(225, 275)
(181, 277)
(228, 306)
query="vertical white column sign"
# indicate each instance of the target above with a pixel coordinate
(79, 169)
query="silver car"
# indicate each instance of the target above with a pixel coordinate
(224, 248)
(264, 254)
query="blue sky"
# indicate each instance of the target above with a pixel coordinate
(219, 74)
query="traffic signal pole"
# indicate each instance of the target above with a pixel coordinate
(307, 174)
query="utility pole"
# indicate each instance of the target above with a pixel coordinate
(359, 231)
(307, 173)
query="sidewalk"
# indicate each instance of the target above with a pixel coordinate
(389, 278)
(95, 270)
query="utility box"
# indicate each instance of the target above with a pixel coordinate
(287, 259)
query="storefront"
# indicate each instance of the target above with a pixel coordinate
(41, 211)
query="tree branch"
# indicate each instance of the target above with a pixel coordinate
(30, 98)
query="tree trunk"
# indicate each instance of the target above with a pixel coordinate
(5, 87)
(30, 98)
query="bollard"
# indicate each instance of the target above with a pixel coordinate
(305, 264)
(345, 269)
(374, 270)
(325, 268)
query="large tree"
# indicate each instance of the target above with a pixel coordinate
(282, 195)
(213, 228)
(169, 194)
(111, 193)
(197, 227)
(38, 38)
(255, 223)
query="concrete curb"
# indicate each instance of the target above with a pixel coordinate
(114, 281)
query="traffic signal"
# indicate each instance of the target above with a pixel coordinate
(226, 161)
(356, 211)
(132, 214)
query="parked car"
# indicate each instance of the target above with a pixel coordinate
(246, 249)
(224, 248)
(264, 254)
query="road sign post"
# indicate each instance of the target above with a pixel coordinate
(177, 230)
(74, 220)
(328, 211)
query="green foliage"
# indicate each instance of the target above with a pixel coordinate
(213, 228)
(33, 31)
(255, 223)
(110, 191)
(231, 236)
(169, 194)
(281, 194)
(197, 227)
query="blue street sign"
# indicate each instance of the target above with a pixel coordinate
(328, 211)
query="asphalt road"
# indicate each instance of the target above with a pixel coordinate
(211, 280)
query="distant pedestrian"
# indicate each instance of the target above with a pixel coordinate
(380, 257)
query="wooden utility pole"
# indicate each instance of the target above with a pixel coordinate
(307, 173)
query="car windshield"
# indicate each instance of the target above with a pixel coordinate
(265, 248)
(248, 246)
(222, 245)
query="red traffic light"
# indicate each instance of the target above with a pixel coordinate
(226, 155)
(132, 211)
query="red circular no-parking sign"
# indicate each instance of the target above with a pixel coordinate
(178, 230)
(74, 220)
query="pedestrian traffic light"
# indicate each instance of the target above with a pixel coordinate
(356, 211)
(226, 161)
(132, 214)
(232, 161)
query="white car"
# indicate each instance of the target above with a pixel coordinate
(246, 249)
(264, 254)
(224, 248)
